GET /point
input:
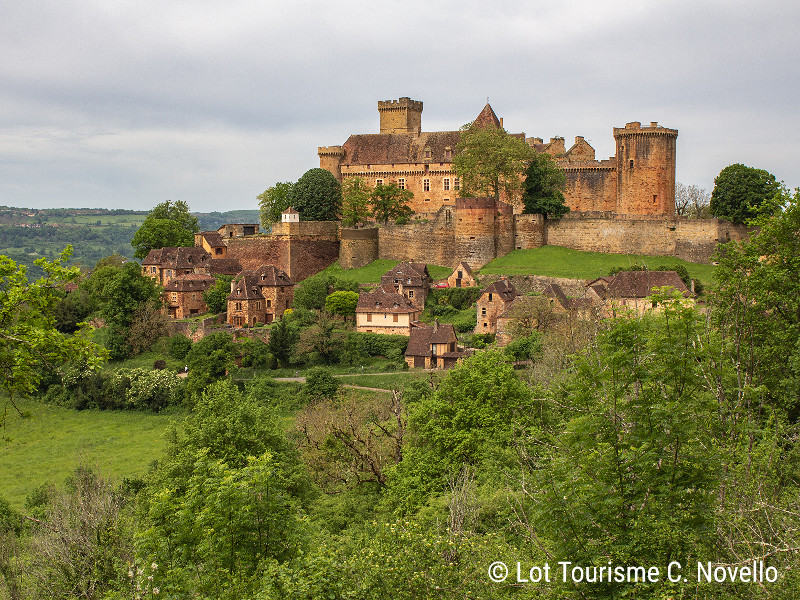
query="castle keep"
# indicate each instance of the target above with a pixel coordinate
(638, 180)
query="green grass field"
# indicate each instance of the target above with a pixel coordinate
(554, 261)
(384, 381)
(372, 272)
(49, 442)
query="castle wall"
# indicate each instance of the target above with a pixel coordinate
(528, 232)
(431, 242)
(439, 176)
(591, 188)
(689, 239)
(357, 247)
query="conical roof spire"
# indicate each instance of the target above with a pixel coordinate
(487, 118)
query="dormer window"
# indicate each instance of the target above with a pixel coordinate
(448, 152)
(427, 153)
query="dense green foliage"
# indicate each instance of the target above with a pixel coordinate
(390, 203)
(342, 303)
(542, 192)
(169, 224)
(216, 297)
(356, 196)
(273, 201)
(317, 196)
(491, 162)
(742, 193)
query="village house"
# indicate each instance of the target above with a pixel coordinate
(462, 277)
(183, 295)
(163, 264)
(433, 347)
(493, 301)
(238, 230)
(259, 296)
(385, 311)
(631, 290)
(211, 242)
(414, 278)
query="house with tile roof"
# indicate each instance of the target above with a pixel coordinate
(183, 295)
(493, 301)
(259, 296)
(212, 242)
(163, 264)
(433, 346)
(631, 290)
(462, 276)
(386, 311)
(410, 279)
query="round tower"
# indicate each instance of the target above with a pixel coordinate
(330, 159)
(645, 169)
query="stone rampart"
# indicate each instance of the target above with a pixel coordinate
(357, 247)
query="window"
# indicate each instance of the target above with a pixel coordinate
(631, 163)
(379, 182)
(238, 306)
(269, 303)
(174, 296)
(401, 183)
(394, 318)
(446, 184)
(369, 317)
(456, 184)
(219, 250)
(194, 296)
(490, 296)
(483, 311)
(153, 269)
(410, 293)
(433, 349)
(448, 152)
(426, 185)
(427, 153)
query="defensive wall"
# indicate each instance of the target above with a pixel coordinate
(301, 248)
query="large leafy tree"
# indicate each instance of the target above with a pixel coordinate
(317, 196)
(29, 340)
(169, 224)
(742, 193)
(491, 162)
(390, 202)
(356, 196)
(543, 188)
(273, 201)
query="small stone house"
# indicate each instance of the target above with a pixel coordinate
(259, 296)
(462, 276)
(632, 290)
(493, 301)
(183, 295)
(415, 281)
(212, 242)
(163, 264)
(433, 347)
(385, 311)
(238, 229)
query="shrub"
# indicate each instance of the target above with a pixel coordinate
(179, 346)
(320, 384)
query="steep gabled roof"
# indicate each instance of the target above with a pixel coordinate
(384, 300)
(214, 239)
(486, 118)
(640, 284)
(191, 282)
(399, 148)
(422, 336)
(503, 288)
(224, 266)
(245, 287)
(269, 275)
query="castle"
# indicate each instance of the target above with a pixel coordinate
(638, 180)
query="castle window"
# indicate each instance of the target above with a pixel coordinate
(456, 184)
(401, 183)
(631, 163)
(427, 199)
(427, 153)
(446, 184)
(490, 296)
(448, 153)
(369, 317)
(483, 311)
(394, 318)
(379, 182)
(426, 185)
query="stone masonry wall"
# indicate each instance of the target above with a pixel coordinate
(357, 247)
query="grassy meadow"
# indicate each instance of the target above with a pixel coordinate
(48, 442)
(554, 261)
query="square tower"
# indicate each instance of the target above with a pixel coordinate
(401, 116)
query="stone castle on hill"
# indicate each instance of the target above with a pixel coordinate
(638, 180)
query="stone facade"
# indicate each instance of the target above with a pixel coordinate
(411, 280)
(357, 247)
(462, 276)
(385, 311)
(433, 347)
(259, 296)
(638, 180)
(183, 295)
(493, 301)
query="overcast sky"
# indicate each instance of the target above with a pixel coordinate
(125, 104)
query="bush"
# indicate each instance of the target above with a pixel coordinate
(458, 298)
(466, 323)
(525, 348)
(320, 384)
(159, 364)
(179, 346)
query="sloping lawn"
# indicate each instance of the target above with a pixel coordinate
(49, 442)
(554, 261)
(372, 272)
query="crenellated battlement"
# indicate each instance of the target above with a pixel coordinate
(401, 116)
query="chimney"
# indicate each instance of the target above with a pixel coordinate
(400, 288)
(436, 325)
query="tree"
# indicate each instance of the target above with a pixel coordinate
(282, 340)
(317, 196)
(543, 188)
(490, 162)
(29, 341)
(742, 193)
(169, 224)
(273, 202)
(390, 202)
(691, 201)
(342, 303)
(356, 195)
(216, 297)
